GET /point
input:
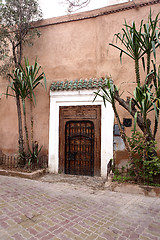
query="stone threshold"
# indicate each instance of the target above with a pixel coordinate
(150, 191)
(33, 175)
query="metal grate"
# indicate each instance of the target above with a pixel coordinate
(79, 148)
(12, 162)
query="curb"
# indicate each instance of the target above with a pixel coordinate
(32, 175)
(150, 191)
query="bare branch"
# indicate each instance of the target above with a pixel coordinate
(75, 5)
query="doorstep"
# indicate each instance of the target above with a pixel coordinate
(150, 191)
(32, 175)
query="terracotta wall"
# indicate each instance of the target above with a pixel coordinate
(73, 47)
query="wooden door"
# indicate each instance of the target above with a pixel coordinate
(80, 140)
(79, 148)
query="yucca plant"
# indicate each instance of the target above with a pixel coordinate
(132, 47)
(149, 39)
(20, 89)
(14, 86)
(138, 43)
(33, 76)
(146, 98)
(156, 96)
(23, 81)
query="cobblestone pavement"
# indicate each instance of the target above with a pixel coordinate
(59, 210)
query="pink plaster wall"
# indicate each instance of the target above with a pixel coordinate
(72, 50)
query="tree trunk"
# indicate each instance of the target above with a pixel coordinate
(31, 108)
(14, 54)
(137, 71)
(20, 140)
(148, 62)
(25, 127)
(132, 111)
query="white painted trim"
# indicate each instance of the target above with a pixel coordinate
(79, 98)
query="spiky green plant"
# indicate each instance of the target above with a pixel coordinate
(137, 43)
(33, 76)
(23, 82)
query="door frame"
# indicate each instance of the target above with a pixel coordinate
(87, 112)
(74, 98)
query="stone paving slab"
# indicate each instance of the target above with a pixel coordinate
(31, 209)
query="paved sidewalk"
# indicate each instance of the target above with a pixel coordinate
(61, 210)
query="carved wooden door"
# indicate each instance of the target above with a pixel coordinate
(79, 148)
(80, 140)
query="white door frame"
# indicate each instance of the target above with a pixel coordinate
(79, 98)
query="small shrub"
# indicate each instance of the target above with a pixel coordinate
(120, 178)
(33, 155)
(144, 168)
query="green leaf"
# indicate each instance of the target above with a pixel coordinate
(130, 104)
(156, 114)
(121, 57)
(23, 104)
(135, 121)
(154, 49)
(121, 50)
(143, 63)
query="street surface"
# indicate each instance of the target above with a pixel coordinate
(51, 208)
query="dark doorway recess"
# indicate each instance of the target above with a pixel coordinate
(79, 148)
